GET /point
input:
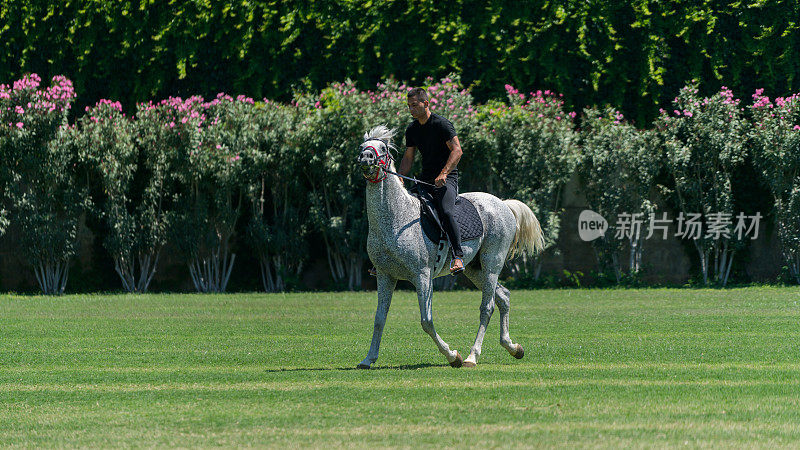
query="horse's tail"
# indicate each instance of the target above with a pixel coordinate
(529, 237)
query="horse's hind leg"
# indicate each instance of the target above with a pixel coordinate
(424, 295)
(502, 300)
(487, 307)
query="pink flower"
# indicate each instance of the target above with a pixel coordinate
(796, 127)
(20, 125)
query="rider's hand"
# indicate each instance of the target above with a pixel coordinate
(440, 180)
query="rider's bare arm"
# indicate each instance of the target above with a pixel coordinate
(455, 155)
(408, 160)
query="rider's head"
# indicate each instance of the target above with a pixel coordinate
(418, 103)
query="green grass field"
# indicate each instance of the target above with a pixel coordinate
(602, 368)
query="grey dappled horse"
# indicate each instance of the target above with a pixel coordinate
(400, 250)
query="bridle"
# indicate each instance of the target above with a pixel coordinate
(382, 162)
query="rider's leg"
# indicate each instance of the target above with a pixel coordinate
(445, 201)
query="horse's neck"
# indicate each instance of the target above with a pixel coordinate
(389, 205)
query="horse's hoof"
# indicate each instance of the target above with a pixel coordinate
(458, 362)
(520, 352)
(362, 366)
(470, 364)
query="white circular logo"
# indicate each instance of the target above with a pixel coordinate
(591, 225)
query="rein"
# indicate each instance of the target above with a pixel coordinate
(383, 164)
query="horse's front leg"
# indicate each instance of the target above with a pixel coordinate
(424, 295)
(386, 285)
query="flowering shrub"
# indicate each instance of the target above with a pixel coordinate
(105, 143)
(183, 168)
(533, 153)
(326, 139)
(166, 135)
(775, 139)
(703, 140)
(618, 170)
(38, 167)
(278, 227)
(209, 173)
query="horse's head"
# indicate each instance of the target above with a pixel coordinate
(375, 156)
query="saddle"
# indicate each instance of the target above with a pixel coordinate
(467, 218)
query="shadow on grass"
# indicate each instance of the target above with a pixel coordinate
(399, 367)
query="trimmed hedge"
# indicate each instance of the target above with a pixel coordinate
(632, 55)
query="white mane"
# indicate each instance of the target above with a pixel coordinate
(382, 133)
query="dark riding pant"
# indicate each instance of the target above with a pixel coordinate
(444, 199)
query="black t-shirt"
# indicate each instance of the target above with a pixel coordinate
(431, 141)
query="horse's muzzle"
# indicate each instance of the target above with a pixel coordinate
(367, 158)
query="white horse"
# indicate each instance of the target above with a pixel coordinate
(400, 250)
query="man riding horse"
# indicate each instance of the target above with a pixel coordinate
(436, 139)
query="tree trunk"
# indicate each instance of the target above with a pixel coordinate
(211, 274)
(703, 261)
(132, 281)
(537, 268)
(354, 267)
(615, 267)
(52, 276)
(728, 270)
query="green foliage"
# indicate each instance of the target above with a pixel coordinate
(632, 55)
(704, 145)
(329, 133)
(183, 169)
(532, 150)
(618, 170)
(775, 139)
(105, 141)
(279, 224)
(39, 159)
(209, 183)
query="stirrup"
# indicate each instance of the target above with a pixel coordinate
(454, 271)
(373, 271)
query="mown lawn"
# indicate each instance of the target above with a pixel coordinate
(604, 368)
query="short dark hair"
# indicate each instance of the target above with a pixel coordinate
(419, 93)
